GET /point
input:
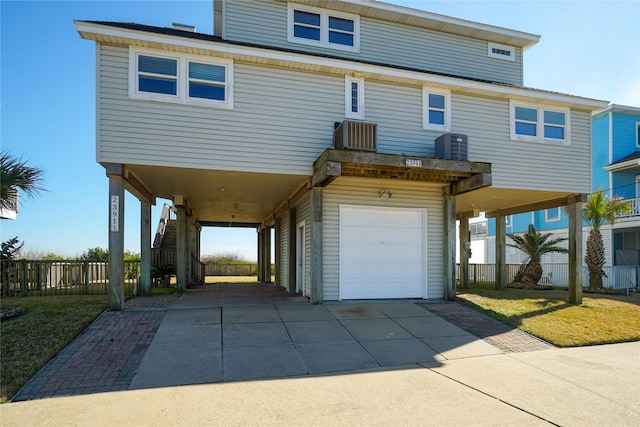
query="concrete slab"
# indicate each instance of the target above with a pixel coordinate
(461, 346)
(355, 311)
(431, 326)
(401, 352)
(335, 357)
(181, 354)
(404, 309)
(192, 316)
(247, 363)
(205, 303)
(240, 301)
(250, 314)
(303, 313)
(376, 329)
(324, 331)
(254, 334)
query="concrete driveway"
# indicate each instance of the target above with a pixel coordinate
(201, 359)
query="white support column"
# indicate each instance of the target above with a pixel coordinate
(465, 248)
(317, 292)
(116, 237)
(181, 247)
(145, 248)
(575, 252)
(501, 255)
(449, 234)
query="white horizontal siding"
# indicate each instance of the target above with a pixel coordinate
(520, 164)
(366, 192)
(265, 23)
(282, 246)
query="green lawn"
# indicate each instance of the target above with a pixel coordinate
(601, 319)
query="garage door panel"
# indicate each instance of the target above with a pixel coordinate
(382, 252)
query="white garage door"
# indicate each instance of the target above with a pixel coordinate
(382, 252)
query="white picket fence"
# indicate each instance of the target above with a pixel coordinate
(618, 277)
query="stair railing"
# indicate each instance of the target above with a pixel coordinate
(162, 225)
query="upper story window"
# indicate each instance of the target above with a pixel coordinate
(531, 122)
(638, 134)
(156, 76)
(552, 215)
(354, 97)
(501, 51)
(324, 28)
(436, 109)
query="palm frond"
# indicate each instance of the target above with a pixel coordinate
(16, 176)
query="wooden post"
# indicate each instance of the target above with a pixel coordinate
(501, 265)
(575, 252)
(449, 234)
(316, 246)
(465, 242)
(259, 266)
(145, 248)
(277, 255)
(116, 237)
(181, 248)
(267, 255)
(292, 250)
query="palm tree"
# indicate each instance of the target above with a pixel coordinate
(596, 212)
(534, 244)
(16, 176)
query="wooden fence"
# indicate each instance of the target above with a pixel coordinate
(40, 278)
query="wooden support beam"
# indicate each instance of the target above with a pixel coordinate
(501, 254)
(116, 241)
(145, 248)
(469, 214)
(449, 233)
(137, 188)
(547, 204)
(474, 182)
(316, 246)
(465, 249)
(292, 250)
(181, 248)
(575, 252)
(325, 173)
(260, 266)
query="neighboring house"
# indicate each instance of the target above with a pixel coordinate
(359, 130)
(11, 213)
(615, 168)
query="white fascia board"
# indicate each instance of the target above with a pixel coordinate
(622, 166)
(87, 28)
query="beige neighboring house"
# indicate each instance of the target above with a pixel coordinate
(359, 131)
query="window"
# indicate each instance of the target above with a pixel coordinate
(552, 215)
(354, 97)
(638, 134)
(637, 185)
(501, 51)
(180, 79)
(507, 220)
(539, 123)
(437, 109)
(324, 28)
(478, 229)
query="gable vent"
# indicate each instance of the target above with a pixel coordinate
(183, 27)
(355, 136)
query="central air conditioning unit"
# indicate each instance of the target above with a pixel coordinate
(452, 146)
(355, 136)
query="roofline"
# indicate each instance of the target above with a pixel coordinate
(434, 20)
(617, 108)
(189, 40)
(624, 165)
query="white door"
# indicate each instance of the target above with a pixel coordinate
(300, 251)
(382, 252)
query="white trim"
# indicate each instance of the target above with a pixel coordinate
(182, 79)
(546, 215)
(426, 91)
(348, 111)
(622, 166)
(508, 55)
(540, 125)
(134, 36)
(324, 29)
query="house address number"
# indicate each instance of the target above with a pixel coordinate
(413, 163)
(115, 213)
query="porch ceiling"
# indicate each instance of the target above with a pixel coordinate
(221, 197)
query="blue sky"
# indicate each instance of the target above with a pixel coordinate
(47, 84)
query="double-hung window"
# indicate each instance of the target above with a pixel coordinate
(354, 97)
(324, 28)
(436, 109)
(539, 123)
(156, 76)
(638, 134)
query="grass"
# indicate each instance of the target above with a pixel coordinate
(600, 319)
